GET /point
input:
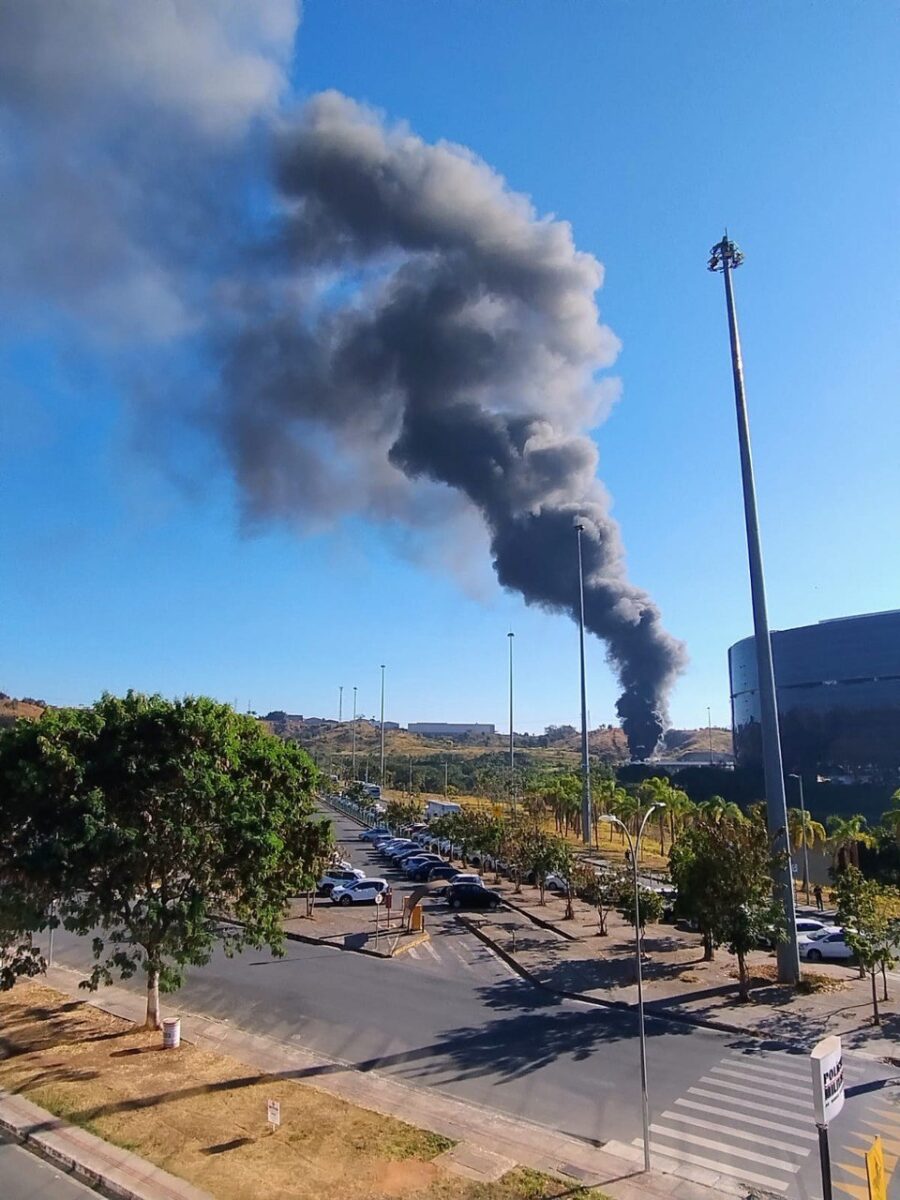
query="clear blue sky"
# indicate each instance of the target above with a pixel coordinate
(650, 127)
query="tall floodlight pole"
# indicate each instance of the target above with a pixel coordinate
(381, 780)
(799, 779)
(512, 744)
(725, 257)
(585, 747)
(340, 704)
(709, 727)
(354, 734)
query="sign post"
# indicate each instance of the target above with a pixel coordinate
(827, 1064)
(273, 1114)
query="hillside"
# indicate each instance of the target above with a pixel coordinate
(11, 710)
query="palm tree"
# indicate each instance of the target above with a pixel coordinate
(804, 832)
(717, 808)
(846, 835)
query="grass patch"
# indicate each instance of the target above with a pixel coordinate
(203, 1116)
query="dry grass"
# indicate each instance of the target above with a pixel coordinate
(203, 1116)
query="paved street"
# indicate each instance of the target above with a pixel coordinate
(454, 1018)
(24, 1176)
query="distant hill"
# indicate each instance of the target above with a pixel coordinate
(11, 710)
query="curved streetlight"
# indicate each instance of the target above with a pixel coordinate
(635, 849)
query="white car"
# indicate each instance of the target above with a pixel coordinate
(335, 877)
(825, 943)
(810, 925)
(555, 883)
(363, 891)
(471, 877)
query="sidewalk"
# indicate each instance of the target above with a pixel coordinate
(95, 1162)
(484, 1136)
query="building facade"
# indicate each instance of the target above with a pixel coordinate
(443, 729)
(838, 686)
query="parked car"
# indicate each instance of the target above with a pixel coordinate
(469, 877)
(374, 835)
(416, 862)
(404, 852)
(472, 895)
(826, 943)
(388, 848)
(436, 872)
(555, 883)
(810, 925)
(362, 891)
(337, 877)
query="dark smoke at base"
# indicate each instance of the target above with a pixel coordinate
(431, 327)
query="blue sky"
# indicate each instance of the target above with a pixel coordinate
(650, 128)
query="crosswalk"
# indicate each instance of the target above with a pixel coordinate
(450, 952)
(750, 1121)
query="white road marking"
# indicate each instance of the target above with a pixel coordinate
(748, 1120)
(749, 1135)
(762, 1091)
(751, 1104)
(774, 1085)
(465, 962)
(431, 950)
(724, 1148)
(413, 952)
(777, 1185)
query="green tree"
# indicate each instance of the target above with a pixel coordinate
(845, 836)
(403, 812)
(891, 816)
(145, 819)
(603, 891)
(541, 854)
(862, 908)
(650, 906)
(722, 867)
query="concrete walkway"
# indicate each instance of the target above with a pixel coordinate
(486, 1138)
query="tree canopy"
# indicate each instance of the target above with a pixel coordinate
(144, 820)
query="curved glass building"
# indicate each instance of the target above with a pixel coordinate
(838, 686)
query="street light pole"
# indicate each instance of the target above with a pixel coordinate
(340, 704)
(381, 780)
(512, 746)
(353, 769)
(709, 727)
(799, 779)
(725, 257)
(635, 849)
(585, 747)
(446, 768)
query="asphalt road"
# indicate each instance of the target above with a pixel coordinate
(476, 1031)
(23, 1176)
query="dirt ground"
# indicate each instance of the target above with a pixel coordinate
(201, 1116)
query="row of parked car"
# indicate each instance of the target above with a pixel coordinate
(461, 889)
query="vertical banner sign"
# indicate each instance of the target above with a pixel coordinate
(875, 1171)
(273, 1113)
(827, 1064)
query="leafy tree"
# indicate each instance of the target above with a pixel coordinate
(722, 867)
(805, 832)
(868, 929)
(845, 836)
(650, 906)
(717, 808)
(891, 816)
(541, 854)
(403, 812)
(603, 891)
(144, 819)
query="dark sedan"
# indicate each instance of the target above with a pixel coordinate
(420, 869)
(472, 895)
(440, 872)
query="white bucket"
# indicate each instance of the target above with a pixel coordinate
(171, 1033)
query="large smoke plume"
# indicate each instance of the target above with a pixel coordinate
(454, 335)
(393, 330)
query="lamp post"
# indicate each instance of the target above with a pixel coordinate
(585, 746)
(709, 727)
(799, 779)
(635, 849)
(353, 762)
(340, 704)
(410, 775)
(381, 779)
(446, 769)
(512, 745)
(725, 257)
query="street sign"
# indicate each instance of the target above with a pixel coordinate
(875, 1171)
(273, 1113)
(826, 1061)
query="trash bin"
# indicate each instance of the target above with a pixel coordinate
(171, 1033)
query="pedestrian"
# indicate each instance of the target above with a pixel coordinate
(817, 892)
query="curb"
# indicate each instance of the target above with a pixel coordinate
(586, 998)
(540, 921)
(116, 1172)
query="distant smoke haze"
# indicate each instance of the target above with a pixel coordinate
(393, 331)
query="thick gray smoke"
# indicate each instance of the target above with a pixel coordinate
(430, 321)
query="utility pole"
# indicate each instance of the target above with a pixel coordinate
(585, 745)
(709, 726)
(410, 774)
(446, 767)
(354, 735)
(725, 257)
(381, 780)
(512, 745)
(340, 704)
